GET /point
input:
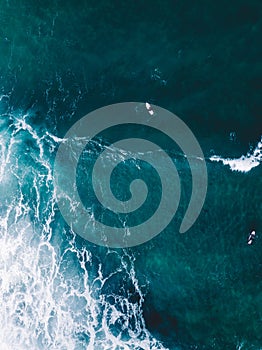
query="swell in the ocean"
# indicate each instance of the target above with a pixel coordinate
(54, 292)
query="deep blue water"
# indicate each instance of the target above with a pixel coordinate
(58, 62)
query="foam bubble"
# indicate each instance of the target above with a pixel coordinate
(244, 163)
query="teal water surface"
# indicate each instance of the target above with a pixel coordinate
(61, 60)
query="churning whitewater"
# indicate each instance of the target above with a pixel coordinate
(53, 294)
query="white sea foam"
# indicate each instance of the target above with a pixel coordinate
(244, 163)
(51, 298)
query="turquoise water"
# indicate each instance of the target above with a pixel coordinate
(199, 290)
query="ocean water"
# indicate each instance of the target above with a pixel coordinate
(199, 290)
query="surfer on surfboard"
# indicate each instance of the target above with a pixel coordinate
(251, 237)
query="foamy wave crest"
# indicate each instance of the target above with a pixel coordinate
(244, 163)
(52, 294)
